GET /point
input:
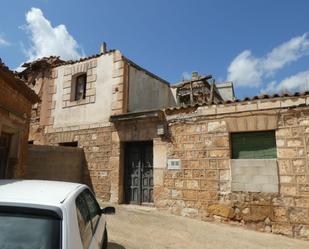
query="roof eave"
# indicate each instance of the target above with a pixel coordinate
(19, 85)
(157, 114)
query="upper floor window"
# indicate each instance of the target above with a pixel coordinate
(80, 87)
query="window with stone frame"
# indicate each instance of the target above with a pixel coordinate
(79, 87)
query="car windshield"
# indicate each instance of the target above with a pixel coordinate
(25, 231)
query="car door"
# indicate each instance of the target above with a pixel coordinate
(84, 222)
(97, 219)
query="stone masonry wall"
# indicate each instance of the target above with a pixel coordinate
(102, 153)
(291, 209)
(41, 113)
(99, 150)
(202, 188)
(15, 112)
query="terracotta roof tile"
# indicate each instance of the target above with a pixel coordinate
(260, 97)
(84, 58)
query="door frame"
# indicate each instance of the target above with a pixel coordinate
(126, 172)
(4, 163)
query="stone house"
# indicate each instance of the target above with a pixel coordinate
(78, 99)
(16, 100)
(244, 162)
(191, 148)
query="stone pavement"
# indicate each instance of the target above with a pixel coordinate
(135, 227)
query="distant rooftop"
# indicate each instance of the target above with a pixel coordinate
(226, 90)
(202, 89)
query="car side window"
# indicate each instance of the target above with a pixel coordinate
(94, 208)
(84, 221)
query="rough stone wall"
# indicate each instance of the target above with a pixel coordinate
(15, 112)
(104, 152)
(291, 211)
(99, 150)
(41, 113)
(13, 99)
(204, 153)
(202, 188)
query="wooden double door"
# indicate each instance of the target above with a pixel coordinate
(139, 172)
(4, 153)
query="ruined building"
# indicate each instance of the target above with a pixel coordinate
(202, 89)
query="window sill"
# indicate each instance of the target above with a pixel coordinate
(87, 100)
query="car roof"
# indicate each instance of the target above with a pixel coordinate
(36, 191)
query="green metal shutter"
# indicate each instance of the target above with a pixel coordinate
(254, 145)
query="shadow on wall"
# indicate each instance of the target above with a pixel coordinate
(58, 163)
(86, 173)
(113, 245)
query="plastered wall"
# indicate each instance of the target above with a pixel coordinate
(97, 106)
(147, 92)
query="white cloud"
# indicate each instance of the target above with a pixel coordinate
(297, 82)
(245, 70)
(286, 53)
(3, 42)
(249, 71)
(48, 40)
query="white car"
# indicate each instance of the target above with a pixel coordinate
(50, 215)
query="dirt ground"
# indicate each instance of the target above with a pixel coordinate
(135, 227)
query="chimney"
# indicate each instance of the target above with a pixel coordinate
(194, 75)
(103, 48)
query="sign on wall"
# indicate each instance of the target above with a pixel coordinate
(173, 164)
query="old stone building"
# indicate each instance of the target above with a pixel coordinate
(242, 161)
(16, 100)
(191, 148)
(77, 100)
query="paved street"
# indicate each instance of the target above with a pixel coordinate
(145, 228)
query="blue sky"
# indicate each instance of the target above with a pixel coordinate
(263, 46)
